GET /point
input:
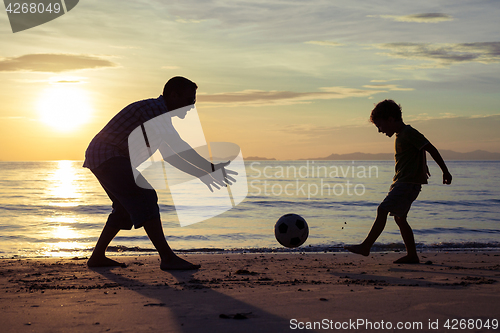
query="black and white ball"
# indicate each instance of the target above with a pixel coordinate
(291, 230)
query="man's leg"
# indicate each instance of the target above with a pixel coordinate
(98, 257)
(169, 260)
(376, 230)
(407, 234)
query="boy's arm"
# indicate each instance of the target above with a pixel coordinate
(439, 160)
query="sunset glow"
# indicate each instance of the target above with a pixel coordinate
(282, 79)
(64, 107)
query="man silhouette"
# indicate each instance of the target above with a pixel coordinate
(137, 206)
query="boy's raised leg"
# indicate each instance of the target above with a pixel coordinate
(376, 230)
(98, 257)
(407, 234)
(169, 260)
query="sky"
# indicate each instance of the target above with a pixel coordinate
(282, 79)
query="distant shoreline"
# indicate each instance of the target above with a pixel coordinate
(448, 155)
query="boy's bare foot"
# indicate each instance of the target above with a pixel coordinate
(177, 264)
(358, 249)
(408, 260)
(103, 262)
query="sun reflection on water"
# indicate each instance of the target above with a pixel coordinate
(64, 192)
(61, 229)
(66, 239)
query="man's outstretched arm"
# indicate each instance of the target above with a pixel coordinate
(173, 144)
(208, 177)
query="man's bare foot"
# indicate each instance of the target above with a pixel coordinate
(177, 264)
(358, 249)
(408, 260)
(103, 262)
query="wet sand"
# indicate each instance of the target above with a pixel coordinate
(252, 293)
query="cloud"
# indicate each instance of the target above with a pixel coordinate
(260, 97)
(445, 131)
(125, 47)
(13, 117)
(53, 63)
(426, 116)
(423, 118)
(418, 18)
(285, 21)
(441, 55)
(181, 20)
(318, 131)
(67, 80)
(324, 43)
(392, 87)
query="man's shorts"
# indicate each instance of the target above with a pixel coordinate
(400, 197)
(132, 205)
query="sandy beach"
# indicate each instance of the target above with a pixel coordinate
(254, 293)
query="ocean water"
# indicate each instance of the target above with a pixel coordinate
(58, 209)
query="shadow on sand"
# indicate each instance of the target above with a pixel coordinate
(196, 307)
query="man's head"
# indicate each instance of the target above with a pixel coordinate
(179, 92)
(387, 117)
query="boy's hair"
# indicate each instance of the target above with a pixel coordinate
(385, 109)
(178, 84)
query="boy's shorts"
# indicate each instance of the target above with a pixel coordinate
(132, 205)
(400, 197)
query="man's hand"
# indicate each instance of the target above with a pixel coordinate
(210, 181)
(447, 178)
(226, 179)
(218, 178)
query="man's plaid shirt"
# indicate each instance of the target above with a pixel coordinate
(112, 140)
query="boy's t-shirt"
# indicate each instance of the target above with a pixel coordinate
(411, 164)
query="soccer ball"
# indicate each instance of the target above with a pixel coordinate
(291, 230)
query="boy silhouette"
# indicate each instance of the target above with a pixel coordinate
(411, 172)
(109, 160)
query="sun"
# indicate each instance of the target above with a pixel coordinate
(64, 107)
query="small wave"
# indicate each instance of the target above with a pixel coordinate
(460, 203)
(123, 250)
(457, 230)
(39, 209)
(378, 247)
(313, 203)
